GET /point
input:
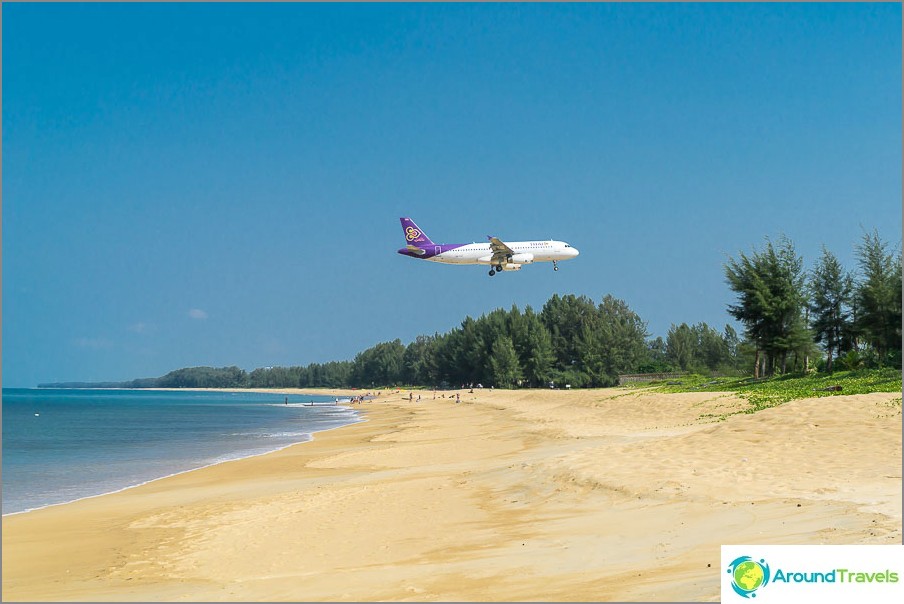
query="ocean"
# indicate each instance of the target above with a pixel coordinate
(63, 445)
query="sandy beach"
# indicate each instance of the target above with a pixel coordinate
(595, 495)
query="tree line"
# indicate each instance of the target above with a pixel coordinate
(789, 317)
(786, 311)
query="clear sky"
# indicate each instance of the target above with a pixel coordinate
(222, 184)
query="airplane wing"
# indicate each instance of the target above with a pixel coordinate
(501, 252)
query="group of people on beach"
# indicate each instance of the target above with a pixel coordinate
(360, 398)
(411, 397)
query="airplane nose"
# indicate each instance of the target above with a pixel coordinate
(574, 251)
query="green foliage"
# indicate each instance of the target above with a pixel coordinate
(203, 377)
(770, 289)
(505, 364)
(419, 361)
(566, 318)
(680, 345)
(592, 344)
(533, 344)
(851, 361)
(380, 365)
(622, 340)
(878, 299)
(700, 348)
(656, 358)
(830, 290)
(574, 378)
(769, 392)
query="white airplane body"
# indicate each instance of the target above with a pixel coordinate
(498, 255)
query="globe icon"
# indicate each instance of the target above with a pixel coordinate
(748, 575)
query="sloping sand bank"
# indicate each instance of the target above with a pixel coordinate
(526, 495)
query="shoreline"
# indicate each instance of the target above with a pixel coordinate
(210, 465)
(342, 404)
(511, 495)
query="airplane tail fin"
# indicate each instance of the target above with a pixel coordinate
(414, 236)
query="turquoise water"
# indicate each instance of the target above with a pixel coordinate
(63, 445)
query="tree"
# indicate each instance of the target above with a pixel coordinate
(770, 288)
(732, 352)
(380, 365)
(830, 290)
(743, 276)
(418, 363)
(464, 353)
(712, 351)
(626, 333)
(534, 346)
(878, 297)
(204, 377)
(788, 279)
(680, 343)
(566, 318)
(504, 362)
(612, 342)
(701, 348)
(657, 359)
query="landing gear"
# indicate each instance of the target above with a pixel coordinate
(555, 266)
(492, 272)
(498, 268)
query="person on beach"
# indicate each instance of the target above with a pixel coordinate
(457, 398)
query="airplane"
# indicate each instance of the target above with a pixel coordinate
(498, 255)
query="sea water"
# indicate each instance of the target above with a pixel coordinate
(63, 445)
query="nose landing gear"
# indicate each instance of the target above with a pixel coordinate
(555, 266)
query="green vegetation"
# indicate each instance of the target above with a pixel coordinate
(775, 296)
(877, 300)
(830, 298)
(769, 392)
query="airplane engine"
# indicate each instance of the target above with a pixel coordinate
(522, 258)
(511, 267)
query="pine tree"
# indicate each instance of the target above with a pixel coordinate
(504, 362)
(534, 346)
(830, 300)
(679, 345)
(878, 297)
(770, 287)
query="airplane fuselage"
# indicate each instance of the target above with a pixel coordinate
(499, 255)
(525, 252)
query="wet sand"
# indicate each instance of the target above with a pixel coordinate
(511, 495)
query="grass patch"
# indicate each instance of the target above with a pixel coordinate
(770, 392)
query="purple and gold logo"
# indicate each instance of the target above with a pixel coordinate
(411, 234)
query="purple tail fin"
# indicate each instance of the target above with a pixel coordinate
(413, 235)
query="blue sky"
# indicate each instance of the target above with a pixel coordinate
(221, 184)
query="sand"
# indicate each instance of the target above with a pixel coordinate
(594, 495)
